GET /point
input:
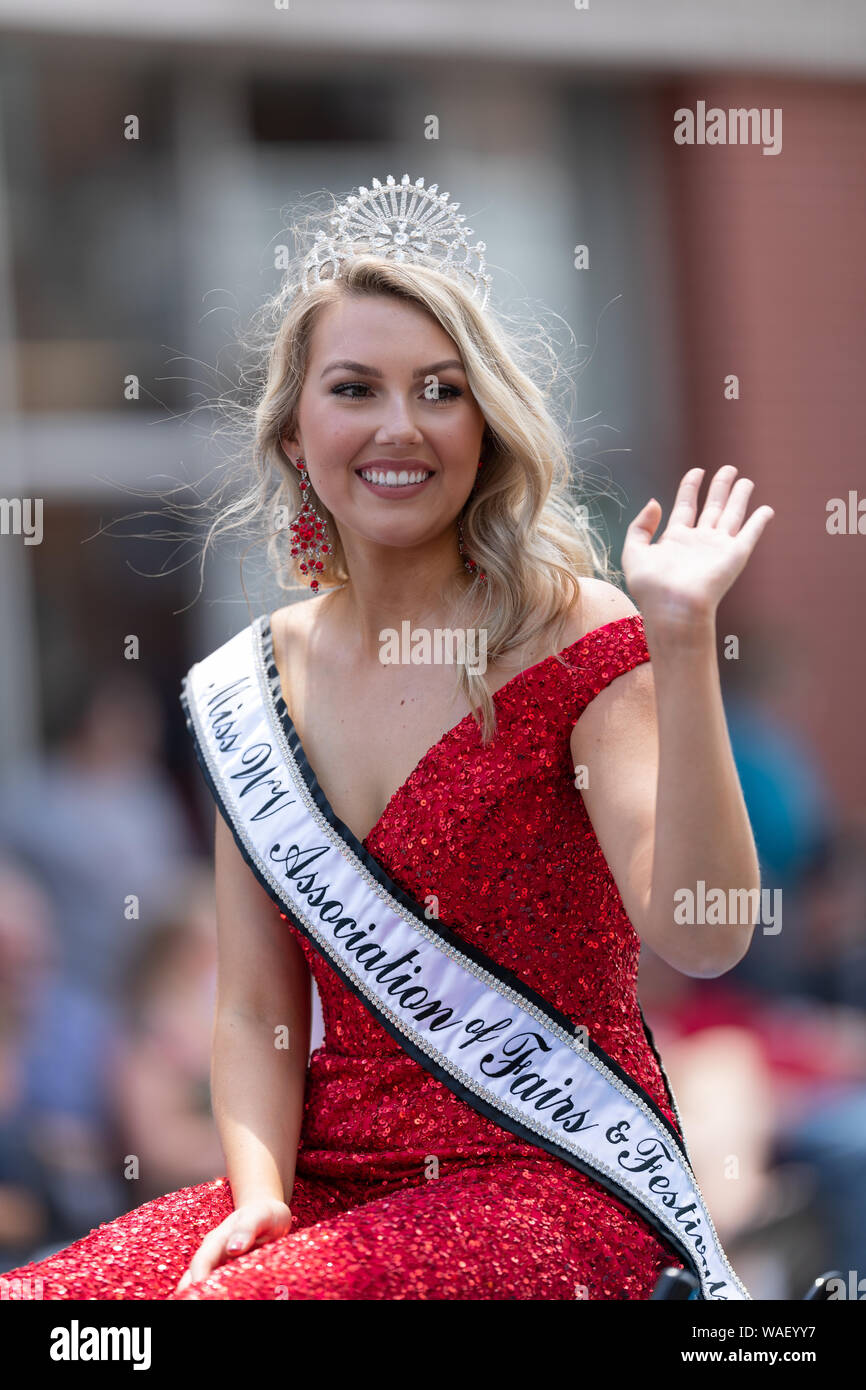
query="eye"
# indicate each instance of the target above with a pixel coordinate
(349, 386)
(440, 399)
(443, 386)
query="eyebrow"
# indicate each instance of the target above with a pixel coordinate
(362, 370)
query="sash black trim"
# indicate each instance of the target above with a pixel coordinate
(667, 1085)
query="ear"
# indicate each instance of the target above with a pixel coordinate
(290, 446)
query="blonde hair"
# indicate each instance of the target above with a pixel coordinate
(521, 524)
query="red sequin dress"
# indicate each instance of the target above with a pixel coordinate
(403, 1190)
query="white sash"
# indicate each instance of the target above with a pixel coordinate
(476, 1027)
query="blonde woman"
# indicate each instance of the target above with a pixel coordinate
(464, 853)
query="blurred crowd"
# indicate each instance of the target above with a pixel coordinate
(107, 981)
(768, 1062)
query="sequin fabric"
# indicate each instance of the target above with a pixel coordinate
(403, 1190)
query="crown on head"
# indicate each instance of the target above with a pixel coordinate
(405, 222)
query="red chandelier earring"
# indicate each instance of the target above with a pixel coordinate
(470, 565)
(308, 531)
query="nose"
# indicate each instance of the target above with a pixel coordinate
(397, 425)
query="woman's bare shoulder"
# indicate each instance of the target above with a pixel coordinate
(598, 602)
(291, 626)
(294, 620)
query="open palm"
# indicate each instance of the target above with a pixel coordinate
(691, 566)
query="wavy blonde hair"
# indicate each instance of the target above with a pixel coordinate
(521, 524)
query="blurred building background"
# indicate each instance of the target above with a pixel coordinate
(140, 257)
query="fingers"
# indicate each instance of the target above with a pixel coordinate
(726, 506)
(686, 500)
(210, 1253)
(237, 1234)
(717, 496)
(643, 527)
(734, 511)
(751, 532)
(239, 1241)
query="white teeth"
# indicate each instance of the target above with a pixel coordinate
(388, 478)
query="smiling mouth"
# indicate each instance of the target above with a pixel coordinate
(390, 477)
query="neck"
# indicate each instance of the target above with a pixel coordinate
(390, 585)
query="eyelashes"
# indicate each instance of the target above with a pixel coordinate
(346, 386)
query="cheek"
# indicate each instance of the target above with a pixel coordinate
(334, 431)
(460, 429)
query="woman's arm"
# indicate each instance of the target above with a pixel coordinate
(664, 796)
(665, 800)
(261, 1032)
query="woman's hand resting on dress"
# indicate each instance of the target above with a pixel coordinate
(253, 1224)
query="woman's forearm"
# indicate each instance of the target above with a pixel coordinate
(702, 832)
(257, 1089)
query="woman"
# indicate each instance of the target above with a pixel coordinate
(493, 1122)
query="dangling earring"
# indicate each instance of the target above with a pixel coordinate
(308, 531)
(469, 564)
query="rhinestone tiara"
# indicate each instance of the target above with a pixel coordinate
(405, 222)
